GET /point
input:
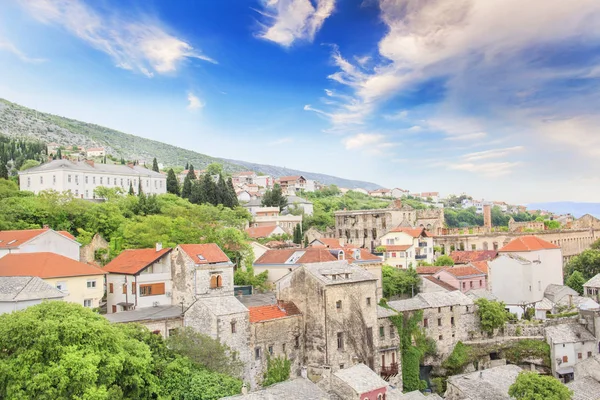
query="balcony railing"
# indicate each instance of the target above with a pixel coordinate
(389, 370)
(420, 256)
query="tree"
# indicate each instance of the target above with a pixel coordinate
(278, 370)
(492, 314)
(186, 191)
(172, 183)
(131, 192)
(297, 234)
(155, 165)
(3, 171)
(576, 281)
(215, 169)
(232, 193)
(140, 191)
(444, 261)
(533, 386)
(595, 245)
(588, 263)
(59, 154)
(205, 351)
(274, 198)
(398, 281)
(29, 164)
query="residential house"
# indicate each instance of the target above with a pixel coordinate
(261, 232)
(162, 320)
(52, 148)
(39, 240)
(243, 196)
(434, 196)
(429, 284)
(592, 287)
(299, 202)
(358, 382)
(263, 181)
(570, 343)
(406, 247)
(326, 242)
(82, 178)
(81, 283)
(139, 278)
(270, 216)
(489, 384)
(339, 304)
(398, 193)
(525, 267)
(20, 292)
(253, 205)
(448, 317)
(295, 183)
(258, 250)
(467, 257)
(380, 193)
(463, 278)
(244, 177)
(96, 152)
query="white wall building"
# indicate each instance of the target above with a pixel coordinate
(264, 181)
(83, 177)
(96, 152)
(569, 344)
(39, 240)
(405, 247)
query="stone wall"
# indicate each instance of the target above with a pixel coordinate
(526, 329)
(87, 253)
(163, 327)
(445, 333)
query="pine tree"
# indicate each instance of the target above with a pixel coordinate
(186, 191)
(187, 166)
(172, 184)
(140, 191)
(3, 171)
(59, 154)
(222, 193)
(232, 194)
(155, 165)
(131, 192)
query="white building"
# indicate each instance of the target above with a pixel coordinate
(405, 247)
(523, 270)
(305, 205)
(96, 152)
(263, 181)
(398, 193)
(20, 292)
(569, 344)
(83, 177)
(39, 240)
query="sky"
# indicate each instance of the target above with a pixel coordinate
(498, 99)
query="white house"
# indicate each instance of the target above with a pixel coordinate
(139, 278)
(570, 344)
(263, 181)
(405, 247)
(39, 240)
(20, 292)
(243, 195)
(398, 193)
(96, 152)
(81, 178)
(305, 205)
(523, 270)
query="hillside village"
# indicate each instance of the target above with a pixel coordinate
(384, 303)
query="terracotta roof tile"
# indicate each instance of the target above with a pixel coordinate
(67, 234)
(44, 265)
(133, 261)
(310, 255)
(429, 270)
(330, 242)
(528, 243)
(365, 255)
(414, 232)
(465, 257)
(13, 239)
(271, 312)
(482, 266)
(460, 272)
(443, 284)
(208, 253)
(260, 231)
(397, 247)
(289, 178)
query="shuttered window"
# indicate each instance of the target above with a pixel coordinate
(153, 289)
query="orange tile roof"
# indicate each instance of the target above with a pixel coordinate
(429, 270)
(443, 284)
(271, 312)
(528, 243)
(260, 231)
(13, 239)
(133, 261)
(44, 265)
(311, 255)
(289, 178)
(365, 255)
(481, 265)
(330, 242)
(210, 252)
(465, 257)
(397, 247)
(414, 232)
(463, 271)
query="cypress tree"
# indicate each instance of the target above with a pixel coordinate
(140, 191)
(3, 171)
(305, 241)
(172, 184)
(155, 165)
(208, 189)
(59, 154)
(187, 166)
(186, 191)
(222, 193)
(191, 173)
(104, 159)
(232, 195)
(196, 193)
(131, 192)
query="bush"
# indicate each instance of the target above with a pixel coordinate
(439, 385)
(458, 359)
(518, 331)
(278, 370)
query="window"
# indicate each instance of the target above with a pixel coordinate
(41, 179)
(91, 284)
(87, 194)
(381, 332)
(114, 309)
(480, 283)
(101, 180)
(440, 337)
(124, 288)
(579, 356)
(152, 289)
(338, 304)
(464, 285)
(233, 327)
(110, 288)
(133, 288)
(77, 179)
(589, 354)
(216, 281)
(452, 321)
(340, 340)
(565, 359)
(451, 308)
(28, 181)
(121, 181)
(86, 179)
(271, 350)
(471, 284)
(62, 286)
(257, 353)
(439, 322)
(425, 323)
(368, 302)
(467, 308)
(283, 347)
(473, 247)
(341, 366)
(297, 341)
(54, 179)
(69, 178)
(392, 331)
(94, 180)
(88, 303)
(76, 192)
(439, 309)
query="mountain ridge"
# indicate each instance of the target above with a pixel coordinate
(20, 121)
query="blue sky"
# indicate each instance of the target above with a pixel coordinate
(496, 98)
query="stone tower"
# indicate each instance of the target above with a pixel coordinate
(487, 217)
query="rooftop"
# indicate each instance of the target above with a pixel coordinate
(295, 256)
(594, 281)
(483, 266)
(14, 239)
(295, 389)
(414, 232)
(261, 231)
(432, 300)
(528, 243)
(463, 272)
(133, 261)
(258, 299)
(271, 312)
(361, 378)
(146, 314)
(446, 286)
(397, 247)
(429, 270)
(223, 305)
(585, 389)
(22, 288)
(489, 384)
(475, 294)
(554, 289)
(208, 253)
(466, 257)
(45, 265)
(338, 272)
(97, 168)
(327, 242)
(383, 312)
(568, 333)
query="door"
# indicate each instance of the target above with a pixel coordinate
(114, 309)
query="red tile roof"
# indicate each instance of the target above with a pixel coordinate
(429, 270)
(132, 261)
(271, 312)
(311, 255)
(44, 265)
(465, 257)
(528, 243)
(289, 178)
(330, 243)
(443, 284)
(482, 266)
(460, 272)
(210, 252)
(414, 232)
(397, 247)
(13, 239)
(364, 254)
(260, 231)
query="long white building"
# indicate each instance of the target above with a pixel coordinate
(83, 177)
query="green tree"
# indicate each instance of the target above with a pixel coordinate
(588, 263)
(29, 164)
(533, 386)
(492, 314)
(595, 245)
(246, 276)
(172, 183)
(232, 194)
(444, 261)
(215, 169)
(187, 166)
(186, 191)
(155, 165)
(3, 171)
(278, 370)
(398, 281)
(274, 198)
(575, 281)
(297, 234)
(131, 192)
(59, 154)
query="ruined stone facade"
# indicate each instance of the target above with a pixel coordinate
(525, 226)
(87, 253)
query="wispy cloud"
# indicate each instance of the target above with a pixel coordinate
(492, 169)
(281, 141)
(495, 153)
(194, 103)
(370, 143)
(11, 48)
(137, 44)
(291, 20)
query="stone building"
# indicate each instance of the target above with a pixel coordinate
(525, 226)
(586, 222)
(388, 346)
(570, 344)
(364, 228)
(87, 253)
(358, 382)
(448, 317)
(489, 384)
(339, 304)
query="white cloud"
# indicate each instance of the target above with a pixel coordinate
(495, 153)
(141, 45)
(292, 20)
(371, 143)
(11, 48)
(194, 103)
(281, 141)
(491, 170)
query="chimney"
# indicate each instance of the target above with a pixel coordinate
(158, 246)
(90, 162)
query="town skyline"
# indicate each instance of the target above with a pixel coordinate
(489, 104)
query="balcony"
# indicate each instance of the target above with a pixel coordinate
(422, 244)
(420, 256)
(389, 370)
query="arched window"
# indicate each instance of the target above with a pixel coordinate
(219, 281)
(213, 281)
